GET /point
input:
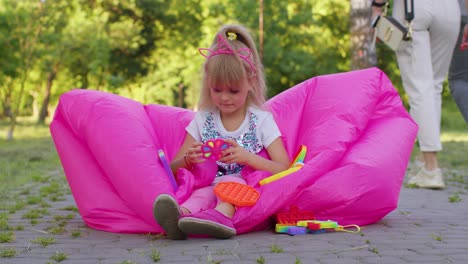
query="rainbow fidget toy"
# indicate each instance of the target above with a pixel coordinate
(213, 148)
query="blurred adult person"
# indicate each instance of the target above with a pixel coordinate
(424, 63)
(458, 72)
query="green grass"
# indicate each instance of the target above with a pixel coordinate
(454, 137)
(31, 154)
(452, 119)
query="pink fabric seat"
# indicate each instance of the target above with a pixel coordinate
(359, 138)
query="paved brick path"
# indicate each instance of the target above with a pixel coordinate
(426, 228)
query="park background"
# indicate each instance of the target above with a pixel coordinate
(147, 50)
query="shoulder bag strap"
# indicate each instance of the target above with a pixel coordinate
(409, 10)
(409, 16)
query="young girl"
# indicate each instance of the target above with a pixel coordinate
(232, 95)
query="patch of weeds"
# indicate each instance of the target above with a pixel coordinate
(367, 241)
(261, 260)
(297, 261)
(56, 230)
(276, 249)
(19, 205)
(8, 252)
(34, 222)
(4, 225)
(4, 216)
(25, 192)
(417, 224)
(127, 262)
(7, 237)
(454, 198)
(56, 198)
(155, 255)
(59, 256)
(35, 213)
(53, 188)
(374, 250)
(76, 233)
(19, 227)
(62, 223)
(70, 208)
(436, 237)
(33, 199)
(44, 204)
(411, 186)
(40, 178)
(64, 217)
(44, 241)
(404, 212)
(223, 252)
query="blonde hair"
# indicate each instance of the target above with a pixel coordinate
(233, 71)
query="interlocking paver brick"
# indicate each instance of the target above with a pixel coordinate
(425, 228)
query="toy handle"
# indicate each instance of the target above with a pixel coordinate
(167, 168)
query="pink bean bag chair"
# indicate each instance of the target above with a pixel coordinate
(358, 134)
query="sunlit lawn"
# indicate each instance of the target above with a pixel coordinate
(454, 136)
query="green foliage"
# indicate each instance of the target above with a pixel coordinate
(147, 49)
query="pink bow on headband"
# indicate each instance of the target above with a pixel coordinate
(224, 48)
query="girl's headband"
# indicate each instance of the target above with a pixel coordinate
(223, 48)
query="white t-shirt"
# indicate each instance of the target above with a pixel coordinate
(257, 131)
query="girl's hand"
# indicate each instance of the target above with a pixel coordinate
(235, 153)
(194, 154)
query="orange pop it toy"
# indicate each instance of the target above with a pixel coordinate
(236, 193)
(293, 216)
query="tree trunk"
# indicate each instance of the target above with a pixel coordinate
(181, 97)
(15, 113)
(363, 53)
(84, 80)
(45, 104)
(7, 97)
